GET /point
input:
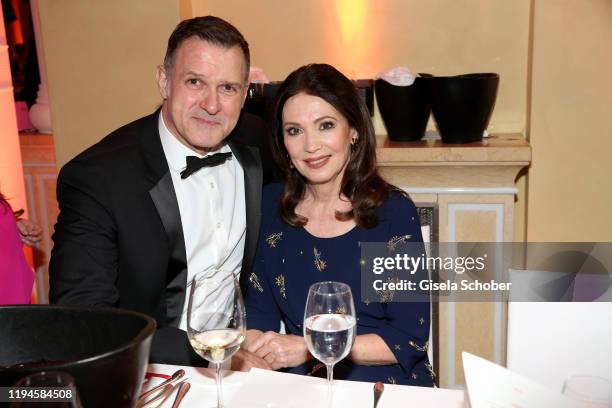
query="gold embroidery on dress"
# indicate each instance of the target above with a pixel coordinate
(387, 295)
(255, 281)
(419, 348)
(391, 380)
(280, 282)
(272, 239)
(396, 240)
(340, 310)
(319, 263)
(432, 373)
(315, 368)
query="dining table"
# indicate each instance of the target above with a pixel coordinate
(272, 389)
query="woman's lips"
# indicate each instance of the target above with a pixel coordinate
(317, 162)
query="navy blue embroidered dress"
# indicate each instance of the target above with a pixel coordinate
(290, 259)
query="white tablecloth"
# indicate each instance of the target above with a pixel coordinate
(270, 389)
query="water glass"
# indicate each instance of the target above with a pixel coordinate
(329, 325)
(593, 391)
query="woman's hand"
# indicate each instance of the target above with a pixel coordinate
(280, 350)
(30, 233)
(244, 361)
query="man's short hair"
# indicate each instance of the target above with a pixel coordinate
(211, 29)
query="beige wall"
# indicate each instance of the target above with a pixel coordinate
(569, 187)
(101, 58)
(363, 38)
(101, 55)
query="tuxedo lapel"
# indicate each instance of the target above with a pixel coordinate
(249, 159)
(164, 198)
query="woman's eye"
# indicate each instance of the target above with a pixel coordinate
(327, 125)
(292, 131)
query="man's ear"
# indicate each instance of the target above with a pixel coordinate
(162, 81)
(246, 93)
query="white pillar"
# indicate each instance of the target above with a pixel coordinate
(11, 170)
(40, 114)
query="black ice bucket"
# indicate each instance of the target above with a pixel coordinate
(260, 99)
(404, 109)
(105, 350)
(462, 105)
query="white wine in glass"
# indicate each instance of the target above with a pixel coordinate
(329, 325)
(216, 320)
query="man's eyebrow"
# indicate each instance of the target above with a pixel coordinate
(238, 84)
(192, 73)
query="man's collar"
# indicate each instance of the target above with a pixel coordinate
(175, 151)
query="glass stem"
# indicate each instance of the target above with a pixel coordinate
(218, 377)
(330, 380)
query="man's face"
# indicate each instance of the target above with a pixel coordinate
(203, 93)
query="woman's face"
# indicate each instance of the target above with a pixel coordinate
(317, 138)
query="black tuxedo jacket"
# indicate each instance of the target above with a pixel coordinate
(118, 240)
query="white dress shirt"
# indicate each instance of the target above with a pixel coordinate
(212, 207)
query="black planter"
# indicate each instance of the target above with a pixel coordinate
(260, 99)
(462, 105)
(105, 350)
(404, 109)
(365, 89)
(254, 102)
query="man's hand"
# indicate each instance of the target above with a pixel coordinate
(244, 360)
(30, 233)
(281, 350)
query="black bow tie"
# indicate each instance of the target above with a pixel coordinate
(195, 163)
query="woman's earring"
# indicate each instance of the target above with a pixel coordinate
(289, 162)
(353, 145)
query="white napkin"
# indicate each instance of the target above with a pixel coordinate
(490, 385)
(399, 76)
(271, 389)
(203, 390)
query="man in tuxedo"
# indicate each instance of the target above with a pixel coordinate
(166, 196)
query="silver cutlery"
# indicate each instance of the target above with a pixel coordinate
(183, 388)
(378, 390)
(162, 395)
(177, 375)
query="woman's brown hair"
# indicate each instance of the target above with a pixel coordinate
(361, 183)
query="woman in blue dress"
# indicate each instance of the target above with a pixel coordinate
(312, 226)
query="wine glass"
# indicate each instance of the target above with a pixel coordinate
(329, 325)
(59, 382)
(591, 390)
(216, 320)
